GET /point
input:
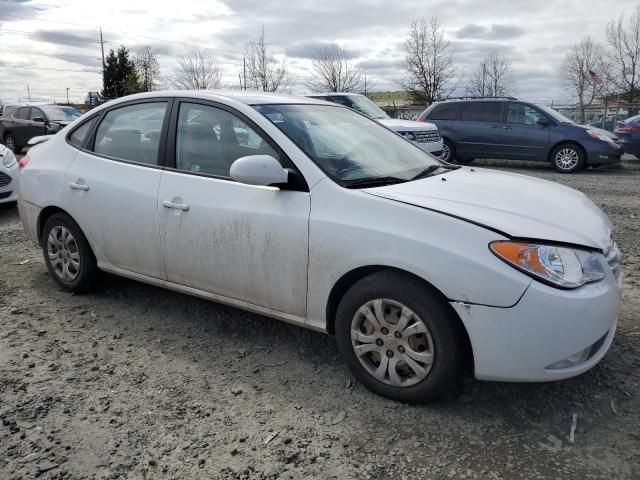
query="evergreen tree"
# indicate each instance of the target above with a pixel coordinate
(120, 77)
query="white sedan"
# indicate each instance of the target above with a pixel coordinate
(314, 214)
(8, 176)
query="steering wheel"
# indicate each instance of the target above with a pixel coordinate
(365, 148)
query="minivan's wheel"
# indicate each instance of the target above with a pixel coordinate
(448, 151)
(567, 158)
(398, 338)
(68, 255)
(10, 143)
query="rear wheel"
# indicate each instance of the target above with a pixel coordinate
(448, 151)
(10, 143)
(399, 338)
(67, 254)
(567, 158)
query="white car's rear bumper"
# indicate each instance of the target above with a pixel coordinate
(550, 334)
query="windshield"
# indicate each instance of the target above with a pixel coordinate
(360, 104)
(61, 114)
(557, 116)
(347, 146)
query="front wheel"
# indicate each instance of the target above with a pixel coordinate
(398, 338)
(10, 143)
(567, 158)
(67, 254)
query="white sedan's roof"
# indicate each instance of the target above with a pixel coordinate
(248, 97)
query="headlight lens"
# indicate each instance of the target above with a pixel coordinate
(596, 135)
(559, 266)
(8, 158)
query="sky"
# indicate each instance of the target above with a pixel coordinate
(52, 45)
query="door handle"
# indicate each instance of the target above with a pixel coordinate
(79, 186)
(178, 206)
(496, 126)
(507, 128)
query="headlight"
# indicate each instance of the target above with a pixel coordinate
(559, 266)
(596, 135)
(8, 159)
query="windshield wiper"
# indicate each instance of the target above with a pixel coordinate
(374, 182)
(427, 171)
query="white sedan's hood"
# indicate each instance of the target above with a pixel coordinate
(517, 205)
(396, 124)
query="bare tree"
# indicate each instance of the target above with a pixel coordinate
(147, 68)
(198, 71)
(428, 62)
(264, 71)
(624, 42)
(333, 71)
(493, 77)
(584, 73)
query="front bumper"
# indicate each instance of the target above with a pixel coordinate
(550, 334)
(604, 154)
(434, 148)
(9, 192)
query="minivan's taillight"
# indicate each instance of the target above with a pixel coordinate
(24, 161)
(629, 129)
(420, 120)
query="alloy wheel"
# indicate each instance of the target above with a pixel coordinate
(63, 253)
(392, 342)
(10, 143)
(567, 159)
(446, 153)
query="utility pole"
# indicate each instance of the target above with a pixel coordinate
(102, 48)
(365, 84)
(28, 92)
(244, 69)
(484, 72)
(240, 80)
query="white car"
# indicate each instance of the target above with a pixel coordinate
(8, 176)
(424, 134)
(321, 217)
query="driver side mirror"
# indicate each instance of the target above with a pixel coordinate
(543, 122)
(258, 170)
(38, 119)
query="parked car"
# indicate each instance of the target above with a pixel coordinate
(629, 133)
(516, 130)
(608, 123)
(418, 267)
(8, 176)
(424, 135)
(26, 122)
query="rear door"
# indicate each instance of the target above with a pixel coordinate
(522, 136)
(20, 125)
(478, 130)
(113, 185)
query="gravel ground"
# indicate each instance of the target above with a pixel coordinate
(138, 382)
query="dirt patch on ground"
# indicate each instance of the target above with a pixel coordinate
(138, 382)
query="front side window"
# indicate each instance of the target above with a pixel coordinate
(519, 113)
(132, 132)
(210, 139)
(490, 112)
(445, 111)
(347, 146)
(36, 113)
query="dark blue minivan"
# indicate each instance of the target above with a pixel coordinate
(516, 130)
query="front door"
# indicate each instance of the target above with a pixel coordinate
(478, 129)
(113, 188)
(523, 137)
(244, 242)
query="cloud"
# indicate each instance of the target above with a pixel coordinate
(494, 32)
(307, 50)
(77, 38)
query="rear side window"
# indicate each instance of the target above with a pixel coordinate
(482, 112)
(23, 113)
(79, 135)
(132, 132)
(444, 111)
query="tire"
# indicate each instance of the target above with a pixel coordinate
(10, 142)
(67, 254)
(595, 165)
(567, 158)
(448, 151)
(433, 333)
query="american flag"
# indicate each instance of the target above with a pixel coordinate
(594, 77)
